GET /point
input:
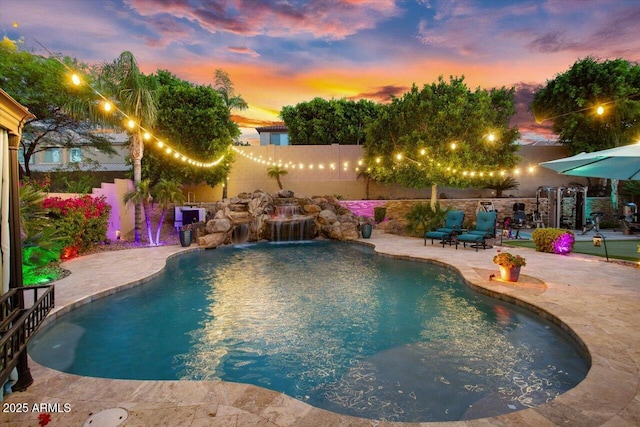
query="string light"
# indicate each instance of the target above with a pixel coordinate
(108, 106)
(398, 157)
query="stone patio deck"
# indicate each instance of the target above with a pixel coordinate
(598, 301)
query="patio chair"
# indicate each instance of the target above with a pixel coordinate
(485, 229)
(452, 225)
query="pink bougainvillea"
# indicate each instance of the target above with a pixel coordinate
(82, 221)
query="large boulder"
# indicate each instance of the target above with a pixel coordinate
(311, 209)
(285, 194)
(349, 230)
(326, 217)
(219, 225)
(212, 240)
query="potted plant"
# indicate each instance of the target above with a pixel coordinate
(509, 266)
(366, 227)
(186, 235)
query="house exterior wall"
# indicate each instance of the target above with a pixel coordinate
(107, 162)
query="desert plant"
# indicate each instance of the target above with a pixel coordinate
(167, 191)
(276, 172)
(41, 241)
(553, 240)
(422, 218)
(501, 184)
(141, 196)
(379, 213)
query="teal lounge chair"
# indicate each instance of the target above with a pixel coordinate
(452, 225)
(485, 229)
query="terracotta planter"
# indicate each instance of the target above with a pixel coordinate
(509, 274)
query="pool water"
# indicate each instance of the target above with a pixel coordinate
(329, 323)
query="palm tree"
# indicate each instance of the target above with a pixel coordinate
(135, 94)
(276, 172)
(503, 184)
(225, 89)
(167, 191)
(141, 196)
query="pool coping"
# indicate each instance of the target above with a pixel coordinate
(604, 321)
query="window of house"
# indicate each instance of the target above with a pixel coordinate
(76, 155)
(21, 157)
(52, 155)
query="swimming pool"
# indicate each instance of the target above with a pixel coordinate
(331, 324)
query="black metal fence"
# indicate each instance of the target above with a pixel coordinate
(18, 325)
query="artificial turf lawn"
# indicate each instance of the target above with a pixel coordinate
(619, 249)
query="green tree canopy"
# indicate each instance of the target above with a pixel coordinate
(195, 120)
(443, 134)
(322, 122)
(570, 101)
(65, 114)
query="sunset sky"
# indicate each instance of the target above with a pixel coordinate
(284, 52)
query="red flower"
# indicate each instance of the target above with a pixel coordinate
(44, 419)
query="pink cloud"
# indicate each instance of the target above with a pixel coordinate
(244, 51)
(332, 20)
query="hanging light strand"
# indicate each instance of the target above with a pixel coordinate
(111, 107)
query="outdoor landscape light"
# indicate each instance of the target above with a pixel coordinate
(107, 106)
(600, 110)
(75, 79)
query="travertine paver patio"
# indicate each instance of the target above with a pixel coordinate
(600, 302)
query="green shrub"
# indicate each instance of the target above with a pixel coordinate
(82, 221)
(422, 218)
(553, 240)
(379, 212)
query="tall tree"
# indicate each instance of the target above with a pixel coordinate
(322, 122)
(135, 94)
(224, 86)
(571, 100)
(194, 119)
(65, 117)
(442, 134)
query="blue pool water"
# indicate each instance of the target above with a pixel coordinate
(331, 324)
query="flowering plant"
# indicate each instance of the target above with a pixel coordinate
(505, 259)
(186, 227)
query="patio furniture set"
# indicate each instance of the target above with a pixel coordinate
(453, 234)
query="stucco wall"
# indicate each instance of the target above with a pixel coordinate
(249, 174)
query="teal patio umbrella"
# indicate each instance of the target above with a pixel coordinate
(615, 163)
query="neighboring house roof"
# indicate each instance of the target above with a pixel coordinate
(273, 128)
